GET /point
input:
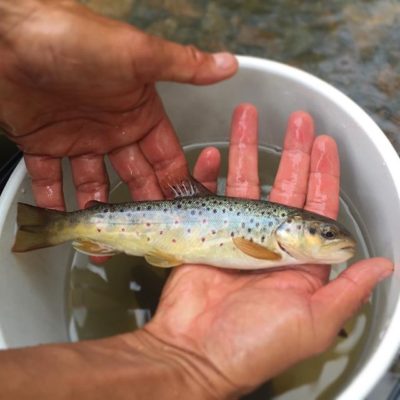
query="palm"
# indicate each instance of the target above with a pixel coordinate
(221, 310)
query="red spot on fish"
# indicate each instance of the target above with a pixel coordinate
(161, 232)
(122, 229)
(176, 222)
(173, 240)
(148, 224)
(204, 221)
(203, 239)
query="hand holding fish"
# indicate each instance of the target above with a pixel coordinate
(75, 84)
(236, 330)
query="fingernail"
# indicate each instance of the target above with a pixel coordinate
(385, 274)
(224, 60)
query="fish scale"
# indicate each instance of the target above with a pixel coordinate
(215, 230)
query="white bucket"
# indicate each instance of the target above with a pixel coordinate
(32, 286)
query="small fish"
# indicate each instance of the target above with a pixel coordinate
(194, 227)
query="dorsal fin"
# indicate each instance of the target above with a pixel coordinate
(188, 188)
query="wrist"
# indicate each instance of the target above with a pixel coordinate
(190, 376)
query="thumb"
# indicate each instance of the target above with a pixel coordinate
(156, 59)
(335, 303)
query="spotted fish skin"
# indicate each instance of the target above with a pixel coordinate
(220, 231)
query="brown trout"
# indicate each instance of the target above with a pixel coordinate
(201, 229)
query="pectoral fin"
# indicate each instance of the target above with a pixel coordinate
(255, 250)
(92, 248)
(160, 259)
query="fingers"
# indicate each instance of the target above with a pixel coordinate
(90, 178)
(323, 183)
(335, 303)
(243, 180)
(133, 168)
(163, 152)
(290, 186)
(207, 168)
(46, 176)
(173, 62)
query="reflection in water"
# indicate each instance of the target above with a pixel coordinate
(122, 295)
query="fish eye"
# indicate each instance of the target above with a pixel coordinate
(329, 233)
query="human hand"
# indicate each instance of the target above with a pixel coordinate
(75, 84)
(231, 330)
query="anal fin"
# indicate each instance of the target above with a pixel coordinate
(92, 248)
(161, 259)
(255, 250)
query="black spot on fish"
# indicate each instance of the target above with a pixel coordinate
(179, 205)
(213, 232)
(106, 210)
(129, 215)
(283, 214)
(193, 212)
(257, 224)
(262, 239)
(232, 234)
(238, 213)
(122, 229)
(289, 220)
(173, 240)
(223, 210)
(149, 207)
(298, 227)
(161, 232)
(203, 204)
(148, 224)
(165, 210)
(262, 212)
(98, 230)
(270, 223)
(249, 230)
(203, 239)
(188, 231)
(312, 231)
(214, 211)
(221, 244)
(287, 230)
(243, 225)
(251, 220)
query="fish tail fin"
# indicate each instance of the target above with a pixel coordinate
(34, 228)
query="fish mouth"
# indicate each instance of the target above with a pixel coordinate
(352, 247)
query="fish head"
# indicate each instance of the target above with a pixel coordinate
(308, 237)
